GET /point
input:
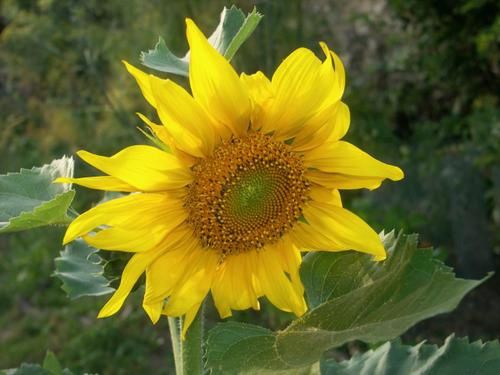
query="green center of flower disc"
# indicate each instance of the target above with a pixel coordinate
(247, 194)
(251, 196)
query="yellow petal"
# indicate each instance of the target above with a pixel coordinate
(188, 319)
(133, 212)
(108, 183)
(143, 80)
(215, 84)
(259, 88)
(159, 130)
(325, 195)
(329, 124)
(347, 160)
(194, 284)
(191, 129)
(303, 88)
(233, 286)
(295, 95)
(162, 133)
(164, 273)
(132, 240)
(334, 228)
(291, 258)
(139, 262)
(332, 74)
(144, 167)
(154, 311)
(343, 182)
(306, 91)
(133, 270)
(276, 286)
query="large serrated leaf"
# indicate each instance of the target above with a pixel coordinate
(29, 199)
(456, 356)
(351, 298)
(232, 31)
(81, 270)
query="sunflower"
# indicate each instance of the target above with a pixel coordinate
(251, 179)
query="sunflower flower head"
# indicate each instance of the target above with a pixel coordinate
(252, 180)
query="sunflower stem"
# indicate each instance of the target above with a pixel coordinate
(174, 325)
(192, 346)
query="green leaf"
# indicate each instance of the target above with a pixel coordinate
(456, 356)
(233, 30)
(162, 59)
(26, 369)
(81, 270)
(350, 298)
(29, 199)
(51, 364)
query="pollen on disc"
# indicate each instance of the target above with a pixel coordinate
(247, 194)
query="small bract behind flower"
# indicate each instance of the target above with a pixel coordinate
(253, 179)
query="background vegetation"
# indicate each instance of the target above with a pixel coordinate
(423, 84)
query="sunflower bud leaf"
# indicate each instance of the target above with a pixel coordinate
(233, 30)
(29, 198)
(350, 298)
(162, 59)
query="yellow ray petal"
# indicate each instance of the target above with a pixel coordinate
(215, 84)
(108, 183)
(188, 319)
(332, 74)
(334, 228)
(291, 258)
(159, 130)
(159, 91)
(303, 87)
(259, 88)
(144, 167)
(343, 182)
(154, 311)
(132, 240)
(194, 284)
(346, 159)
(164, 274)
(325, 195)
(133, 212)
(295, 94)
(137, 265)
(133, 270)
(233, 286)
(275, 285)
(329, 124)
(191, 129)
(162, 133)
(143, 80)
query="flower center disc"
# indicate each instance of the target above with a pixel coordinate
(247, 194)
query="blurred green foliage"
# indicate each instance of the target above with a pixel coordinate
(423, 83)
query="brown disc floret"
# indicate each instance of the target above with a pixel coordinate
(247, 194)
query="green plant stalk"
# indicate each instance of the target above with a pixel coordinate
(192, 346)
(174, 325)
